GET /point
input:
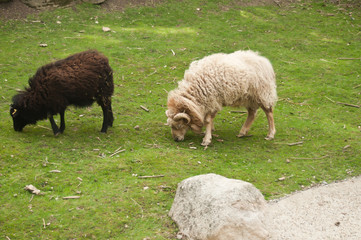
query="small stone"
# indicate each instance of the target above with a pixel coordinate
(179, 235)
(281, 178)
(106, 29)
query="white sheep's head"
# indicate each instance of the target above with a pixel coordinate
(179, 122)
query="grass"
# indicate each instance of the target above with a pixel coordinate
(304, 43)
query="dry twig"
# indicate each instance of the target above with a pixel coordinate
(341, 103)
(71, 197)
(144, 108)
(293, 144)
(151, 74)
(153, 176)
(330, 99)
(32, 189)
(73, 37)
(310, 158)
(43, 127)
(138, 205)
(116, 152)
(348, 104)
(289, 144)
(349, 58)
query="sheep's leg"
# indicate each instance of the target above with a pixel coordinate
(62, 122)
(105, 119)
(212, 121)
(208, 122)
(110, 112)
(105, 103)
(247, 125)
(271, 124)
(53, 125)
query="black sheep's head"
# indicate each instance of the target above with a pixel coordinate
(21, 116)
(19, 121)
(23, 111)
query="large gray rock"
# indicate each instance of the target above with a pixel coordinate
(94, 1)
(212, 207)
(46, 4)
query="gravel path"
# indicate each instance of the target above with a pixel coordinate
(327, 212)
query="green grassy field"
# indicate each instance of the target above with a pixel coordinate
(149, 48)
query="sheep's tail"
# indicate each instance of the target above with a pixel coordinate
(265, 88)
(267, 74)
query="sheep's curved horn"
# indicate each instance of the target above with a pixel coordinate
(180, 116)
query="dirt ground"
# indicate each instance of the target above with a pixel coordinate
(15, 9)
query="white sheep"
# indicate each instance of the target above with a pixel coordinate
(239, 79)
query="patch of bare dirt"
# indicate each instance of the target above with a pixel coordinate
(119, 5)
(15, 9)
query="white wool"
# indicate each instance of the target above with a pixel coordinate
(242, 78)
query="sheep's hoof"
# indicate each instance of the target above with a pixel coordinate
(244, 135)
(205, 143)
(268, 138)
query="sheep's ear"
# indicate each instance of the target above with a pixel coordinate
(182, 116)
(168, 122)
(167, 113)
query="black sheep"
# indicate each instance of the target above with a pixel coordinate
(78, 80)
